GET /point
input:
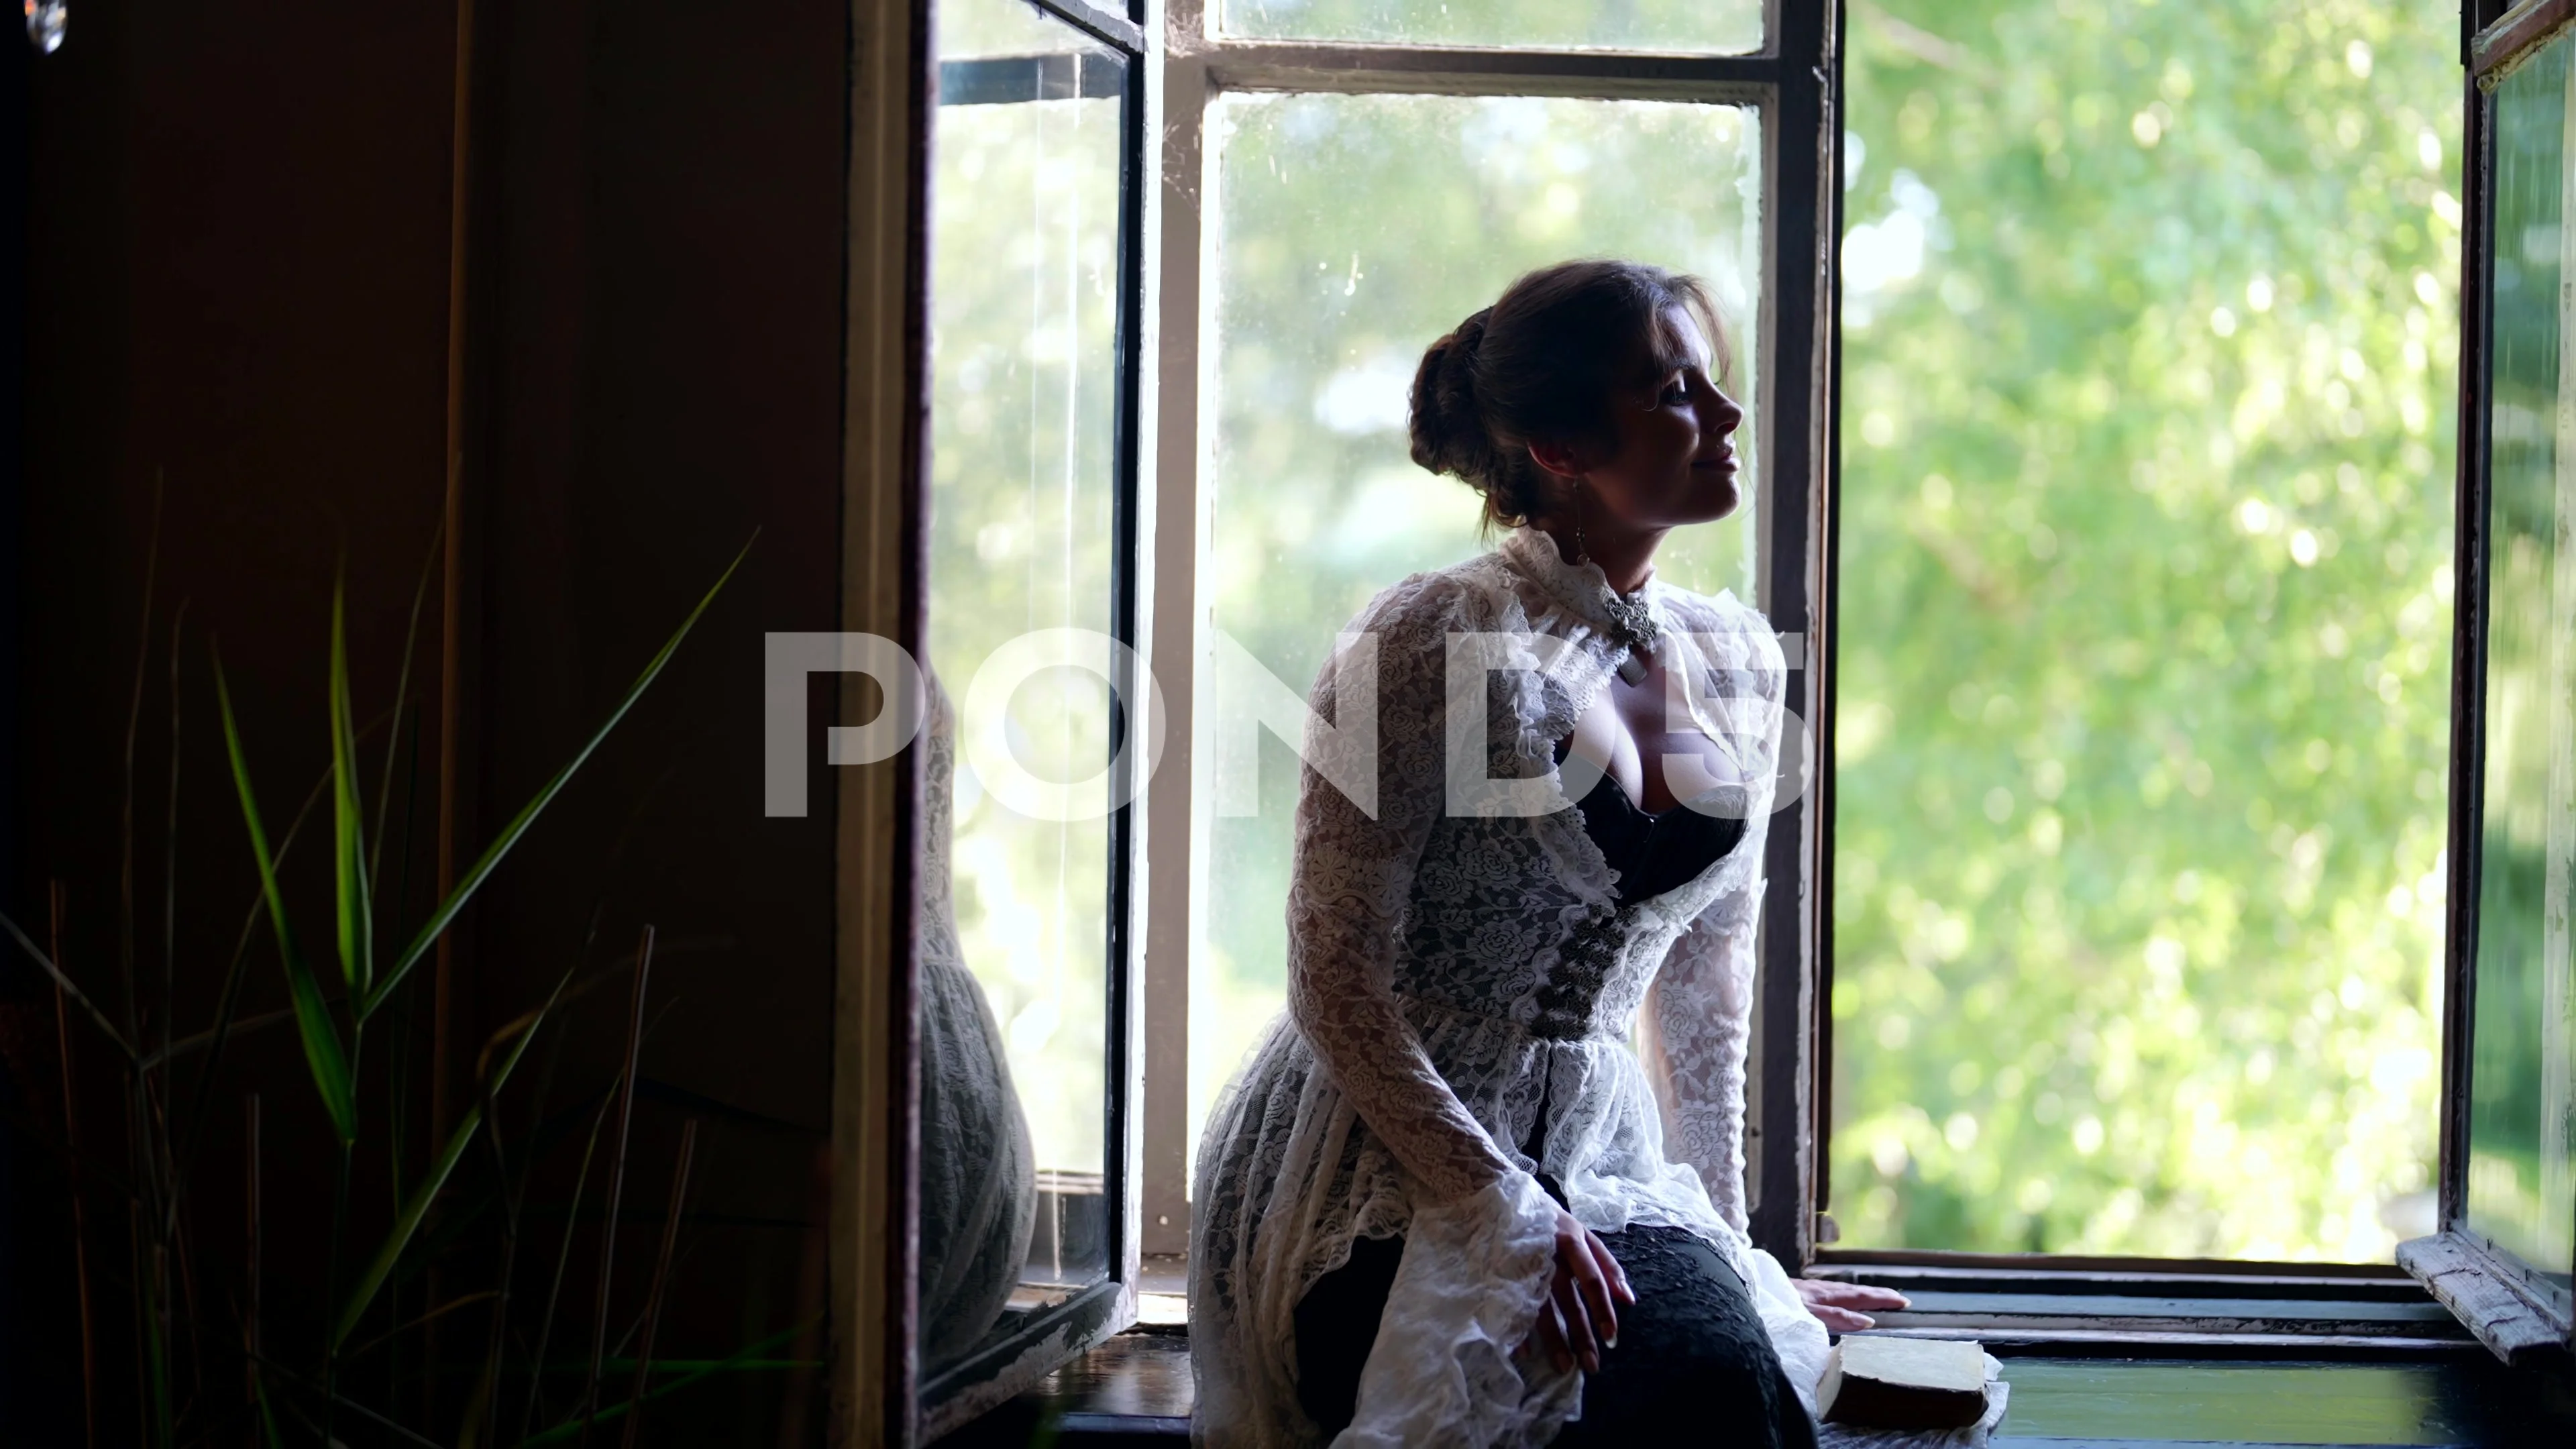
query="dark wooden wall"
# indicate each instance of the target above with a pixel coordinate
(236, 299)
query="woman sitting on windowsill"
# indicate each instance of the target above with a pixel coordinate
(1444, 1203)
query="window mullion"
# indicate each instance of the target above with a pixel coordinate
(1804, 211)
(1602, 75)
(1173, 900)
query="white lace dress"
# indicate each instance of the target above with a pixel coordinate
(978, 1175)
(1455, 959)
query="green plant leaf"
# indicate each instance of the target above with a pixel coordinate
(322, 1051)
(473, 879)
(416, 1207)
(348, 826)
(267, 1415)
(741, 1358)
(74, 992)
(478, 1408)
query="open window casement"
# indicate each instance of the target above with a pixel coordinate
(1109, 213)
(982, 1222)
(2508, 1195)
(1037, 731)
(1112, 227)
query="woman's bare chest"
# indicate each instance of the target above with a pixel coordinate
(1644, 736)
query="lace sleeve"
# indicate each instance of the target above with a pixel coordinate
(1696, 1030)
(1350, 876)
(1698, 1019)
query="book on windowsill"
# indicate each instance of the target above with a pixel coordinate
(1903, 1383)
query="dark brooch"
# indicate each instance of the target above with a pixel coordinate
(1632, 624)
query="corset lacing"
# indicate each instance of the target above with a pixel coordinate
(1653, 851)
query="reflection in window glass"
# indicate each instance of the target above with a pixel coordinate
(1023, 477)
(2145, 602)
(1351, 232)
(2521, 1069)
(1713, 26)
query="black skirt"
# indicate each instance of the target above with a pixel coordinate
(1692, 1351)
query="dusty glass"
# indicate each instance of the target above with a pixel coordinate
(2521, 1130)
(1723, 27)
(1352, 231)
(1023, 480)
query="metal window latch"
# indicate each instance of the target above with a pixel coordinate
(1827, 1230)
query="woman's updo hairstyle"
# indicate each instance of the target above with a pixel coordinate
(1543, 363)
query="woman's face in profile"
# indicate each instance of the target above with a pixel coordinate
(1673, 461)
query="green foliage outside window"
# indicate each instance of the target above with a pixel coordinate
(2147, 425)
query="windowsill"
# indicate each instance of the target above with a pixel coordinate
(1136, 1388)
(2499, 1302)
(2126, 1355)
(2137, 1312)
(2340, 1313)
(1162, 1293)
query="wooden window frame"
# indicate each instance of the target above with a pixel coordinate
(2467, 1277)
(879, 1392)
(2511, 1308)
(875, 1119)
(1178, 67)
(1047, 1336)
(1792, 80)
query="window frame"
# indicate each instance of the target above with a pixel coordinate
(1792, 80)
(923, 1405)
(1179, 64)
(2488, 1287)
(1795, 82)
(2488, 23)
(875, 1124)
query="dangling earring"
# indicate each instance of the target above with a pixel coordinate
(1580, 557)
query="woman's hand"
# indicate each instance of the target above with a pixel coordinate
(1837, 1305)
(1579, 1318)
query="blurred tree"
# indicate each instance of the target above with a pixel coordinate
(2146, 599)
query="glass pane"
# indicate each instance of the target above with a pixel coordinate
(2145, 591)
(1352, 232)
(1723, 27)
(2521, 1071)
(970, 29)
(1023, 478)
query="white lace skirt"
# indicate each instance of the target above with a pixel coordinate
(1288, 1175)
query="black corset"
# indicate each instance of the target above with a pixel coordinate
(1653, 852)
